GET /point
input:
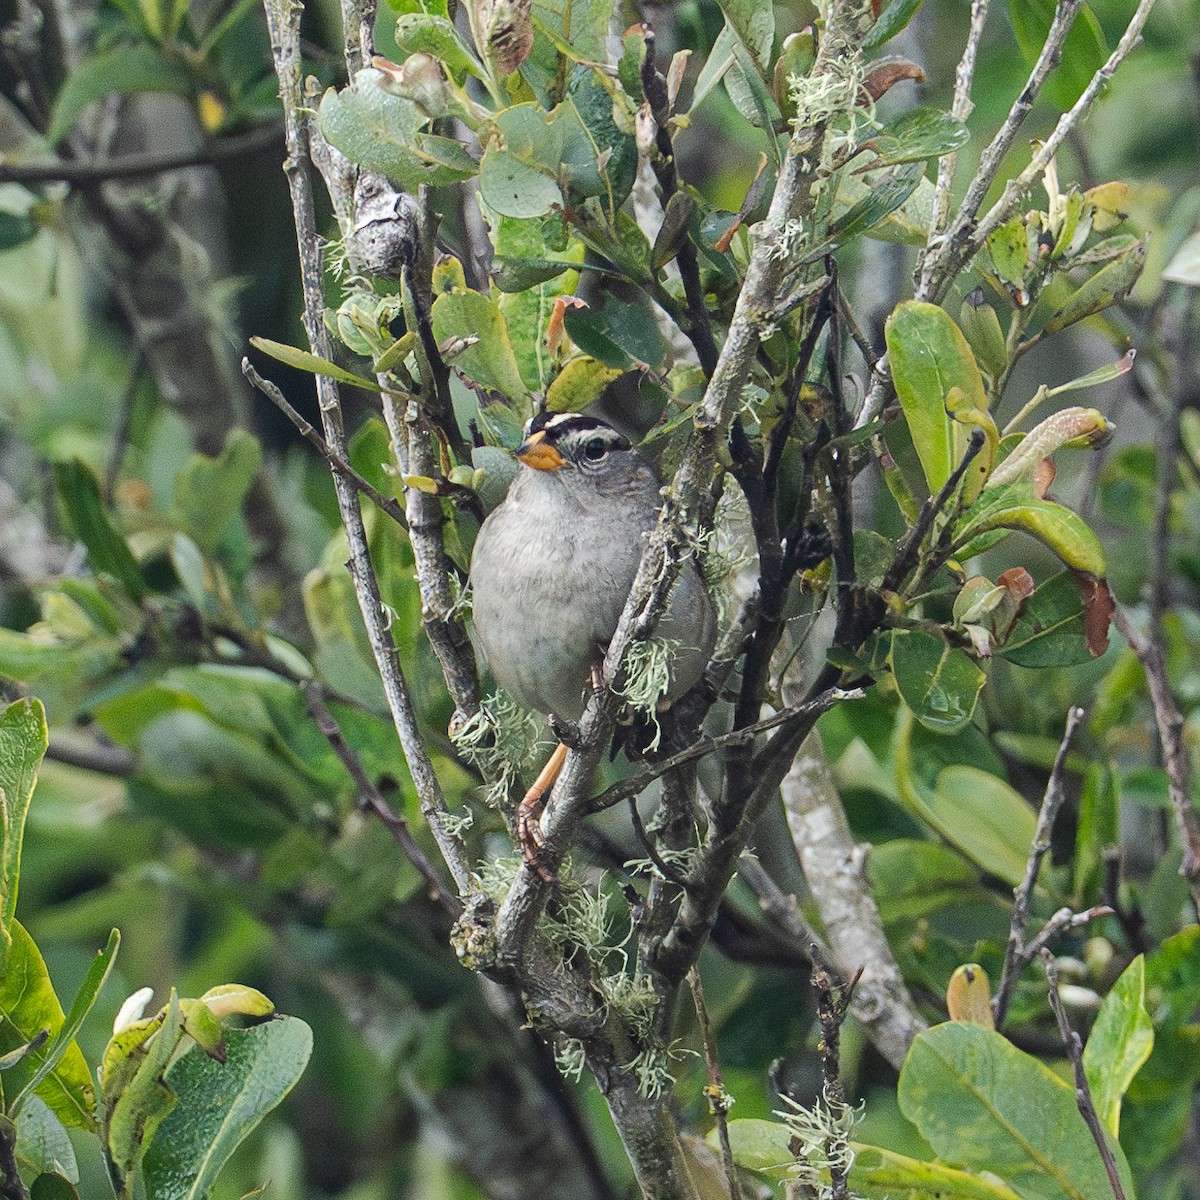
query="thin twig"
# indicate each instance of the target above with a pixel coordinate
(225, 149)
(647, 844)
(719, 1100)
(958, 250)
(997, 150)
(1169, 721)
(908, 552)
(371, 799)
(307, 430)
(1061, 922)
(1052, 801)
(638, 783)
(833, 999)
(961, 108)
(283, 20)
(1083, 1093)
(92, 756)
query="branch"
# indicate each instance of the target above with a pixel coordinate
(960, 246)
(283, 20)
(100, 170)
(940, 259)
(835, 869)
(833, 999)
(943, 262)
(1169, 721)
(372, 800)
(1051, 802)
(92, 756)
(387, 504)
(960, 108)
(627, 788)
(719, 1101)
(1083, 1094)
(908, 552)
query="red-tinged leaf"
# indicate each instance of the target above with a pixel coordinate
(1017, 580)
(880, 81)
(1098, 606)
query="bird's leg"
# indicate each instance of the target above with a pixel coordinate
(529, 813)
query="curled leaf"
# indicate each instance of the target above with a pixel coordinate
(504, 31)
(1070, 428)
(882, 79)
(969, 996)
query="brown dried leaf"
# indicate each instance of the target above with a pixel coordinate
(884, 78)
(1097, 611)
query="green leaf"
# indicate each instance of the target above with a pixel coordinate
(209, 491)
(930, 357)
(382, 132)
(28, 1006)
(89, 989)
(52, 1186)
(895, 16)
(108, 552)
(302, 360)
(581, 24)
(16, 228)
(907, 225)
(913, 879)
(1013, 506)
(879, 1174)
(761, 1146)
(1099, 805)
(1184, 266)
(981, 327)
(1083, 53)
(428, 33)
(220, 1104)
(939, 682)
(974, 810)
(919, 135)
(588, 131)
(43, 1144)
(1050, 632)
(1120, 1042)
(1110, 284)
(135, 1096)
(518, 176)
(580, 383)
(886, 195)
(490, 361)
(620, 333)
(23, 742)
(124, 69)
(985, 1105)
(754, 23)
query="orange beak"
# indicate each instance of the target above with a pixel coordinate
(536, 452)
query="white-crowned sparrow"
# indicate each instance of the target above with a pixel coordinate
(553, 566)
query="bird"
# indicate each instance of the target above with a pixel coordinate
(551, 571)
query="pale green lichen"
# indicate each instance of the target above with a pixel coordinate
(570, 1060)
(499, 740)
(821, 1141)
(648, 667)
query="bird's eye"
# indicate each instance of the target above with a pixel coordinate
(594, 449)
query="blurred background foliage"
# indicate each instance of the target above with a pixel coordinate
(190, 799)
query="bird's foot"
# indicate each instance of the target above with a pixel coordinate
(566, 731)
